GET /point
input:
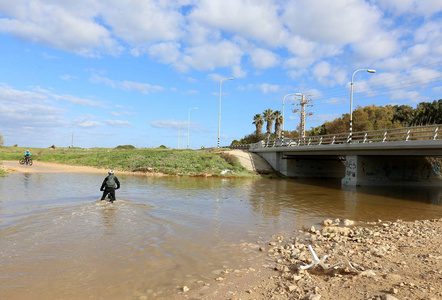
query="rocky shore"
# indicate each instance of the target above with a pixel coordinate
(380, 260)
(371, 261)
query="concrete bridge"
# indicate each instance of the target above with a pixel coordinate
(403, 156)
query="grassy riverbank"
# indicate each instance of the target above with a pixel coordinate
(211, 162)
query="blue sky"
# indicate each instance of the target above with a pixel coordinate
(120, 72)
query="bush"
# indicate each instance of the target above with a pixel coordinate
(125, 147)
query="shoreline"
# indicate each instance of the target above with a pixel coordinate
(376, 261)
(49, 167)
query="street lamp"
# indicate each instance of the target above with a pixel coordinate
(219, 113)
(351, 100)
(188, 126)
(283, 101)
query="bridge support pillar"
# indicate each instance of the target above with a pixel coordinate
(351, 171)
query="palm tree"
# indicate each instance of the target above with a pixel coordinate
(278, 123)
(268, 117)
(258, 121)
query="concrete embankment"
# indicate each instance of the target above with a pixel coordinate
(252, 162)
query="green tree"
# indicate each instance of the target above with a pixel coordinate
(268, 117)
(248, 139)
(373, 118)
(336, 126)
(2, 142)
(258, 121)
(428, 113)
(278, 122)
(403, 114)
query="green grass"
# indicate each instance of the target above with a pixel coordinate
(2, 172)
(167, 161)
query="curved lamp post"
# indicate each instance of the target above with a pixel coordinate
(188, 126)
(283, 101)
(351, 100)
(219, 113)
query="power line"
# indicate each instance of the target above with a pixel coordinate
(303, 103)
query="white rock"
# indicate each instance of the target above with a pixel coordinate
(314, 297)
(367, 273)
(292, 288)
(393, 277)
(335, 229)
(348, 222)
(327, 222)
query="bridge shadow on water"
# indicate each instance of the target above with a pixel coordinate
(422, 194)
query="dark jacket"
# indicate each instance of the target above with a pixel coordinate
(106, 184)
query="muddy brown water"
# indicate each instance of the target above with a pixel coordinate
(58, 240)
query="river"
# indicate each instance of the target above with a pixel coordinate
(58, 240)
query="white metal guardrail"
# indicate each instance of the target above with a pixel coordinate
(429, 132)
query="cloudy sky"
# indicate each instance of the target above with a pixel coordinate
(118, 72)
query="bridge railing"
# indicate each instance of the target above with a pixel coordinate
(242, 146)
(429, 132)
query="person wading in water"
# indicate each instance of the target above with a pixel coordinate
(109, 185)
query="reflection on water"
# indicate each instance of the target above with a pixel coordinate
(58, 240)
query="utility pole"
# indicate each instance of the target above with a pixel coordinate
(303, 102)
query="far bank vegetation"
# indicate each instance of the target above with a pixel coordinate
(160, 160)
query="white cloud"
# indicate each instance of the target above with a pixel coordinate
(268, 88)
(321, 69)
(167, 53)
(126, 85)
(211, 56)
(11, 96)
(68, 77)
(199, 34)
(31, 115)
(334, 101)
(377, 46)
(143, 88)
(141, 21)
(67, 27)
(238, 72)
(190, 92)
(334, 22)
(205, 57)
(264, 59)
(123, 113)
(209, 34)
(76, 100)
(420, 7)
(242, 17)
(89, 124)
(168, 124)
(118, 123)
(326, 74)
(411, 96)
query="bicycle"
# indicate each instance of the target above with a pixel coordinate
(26, 161)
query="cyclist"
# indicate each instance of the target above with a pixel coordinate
(109, 185)
(27, 155)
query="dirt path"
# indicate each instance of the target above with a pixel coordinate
(46, 167)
